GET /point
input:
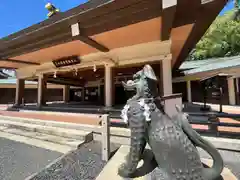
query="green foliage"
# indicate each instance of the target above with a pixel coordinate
(221, 39)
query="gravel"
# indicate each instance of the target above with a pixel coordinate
(18, 160)
(85, 163)
(82, 164)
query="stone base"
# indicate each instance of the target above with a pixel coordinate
(226, 174)
(145, 167)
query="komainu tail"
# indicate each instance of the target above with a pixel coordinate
(218, 165)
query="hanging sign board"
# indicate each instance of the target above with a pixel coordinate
(66, 61)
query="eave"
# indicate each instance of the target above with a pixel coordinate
(183, 22)
(94, 17)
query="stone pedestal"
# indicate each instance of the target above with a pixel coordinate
(226, 174)
(146, 167)
(170, 103)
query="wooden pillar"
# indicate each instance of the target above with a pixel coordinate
(108, 86)
(99, 91)
(237, 90)
(166, 77)
(231, 91)
(19, 91)
(189, 91)
(113, 86)
(42, 85)
(66, 93)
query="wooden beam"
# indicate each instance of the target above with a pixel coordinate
(89, 41)
(108, 15)
(93, 43)
(65, 81)
(168, 13)
(37, 45)
(19, 61)
(204, 19)
(141, 10)
(10, 68)
(77, 35)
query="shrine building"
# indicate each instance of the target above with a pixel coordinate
(90, 49)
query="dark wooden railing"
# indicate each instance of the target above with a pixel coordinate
(210, 121)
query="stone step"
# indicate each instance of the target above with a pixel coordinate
(45, 137)
(85, 136)
(145, 167)
(77, 126)
(119, 135)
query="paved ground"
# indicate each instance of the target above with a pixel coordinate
(18, 161)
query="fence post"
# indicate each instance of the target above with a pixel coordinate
(213, 127)
(23, 102)
(105, 137)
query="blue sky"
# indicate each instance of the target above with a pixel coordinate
(19, 14)
(229, 6)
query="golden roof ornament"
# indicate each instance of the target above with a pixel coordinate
(52, 9)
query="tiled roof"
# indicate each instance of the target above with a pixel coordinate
(192, 64)
(192, 67)
(13, 81)
(9, 73)
(3, 75)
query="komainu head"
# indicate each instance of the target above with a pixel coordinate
(144, 82)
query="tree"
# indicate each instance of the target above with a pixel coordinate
(221, 39)
(237, 10)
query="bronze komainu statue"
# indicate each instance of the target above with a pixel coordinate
(172, 140)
